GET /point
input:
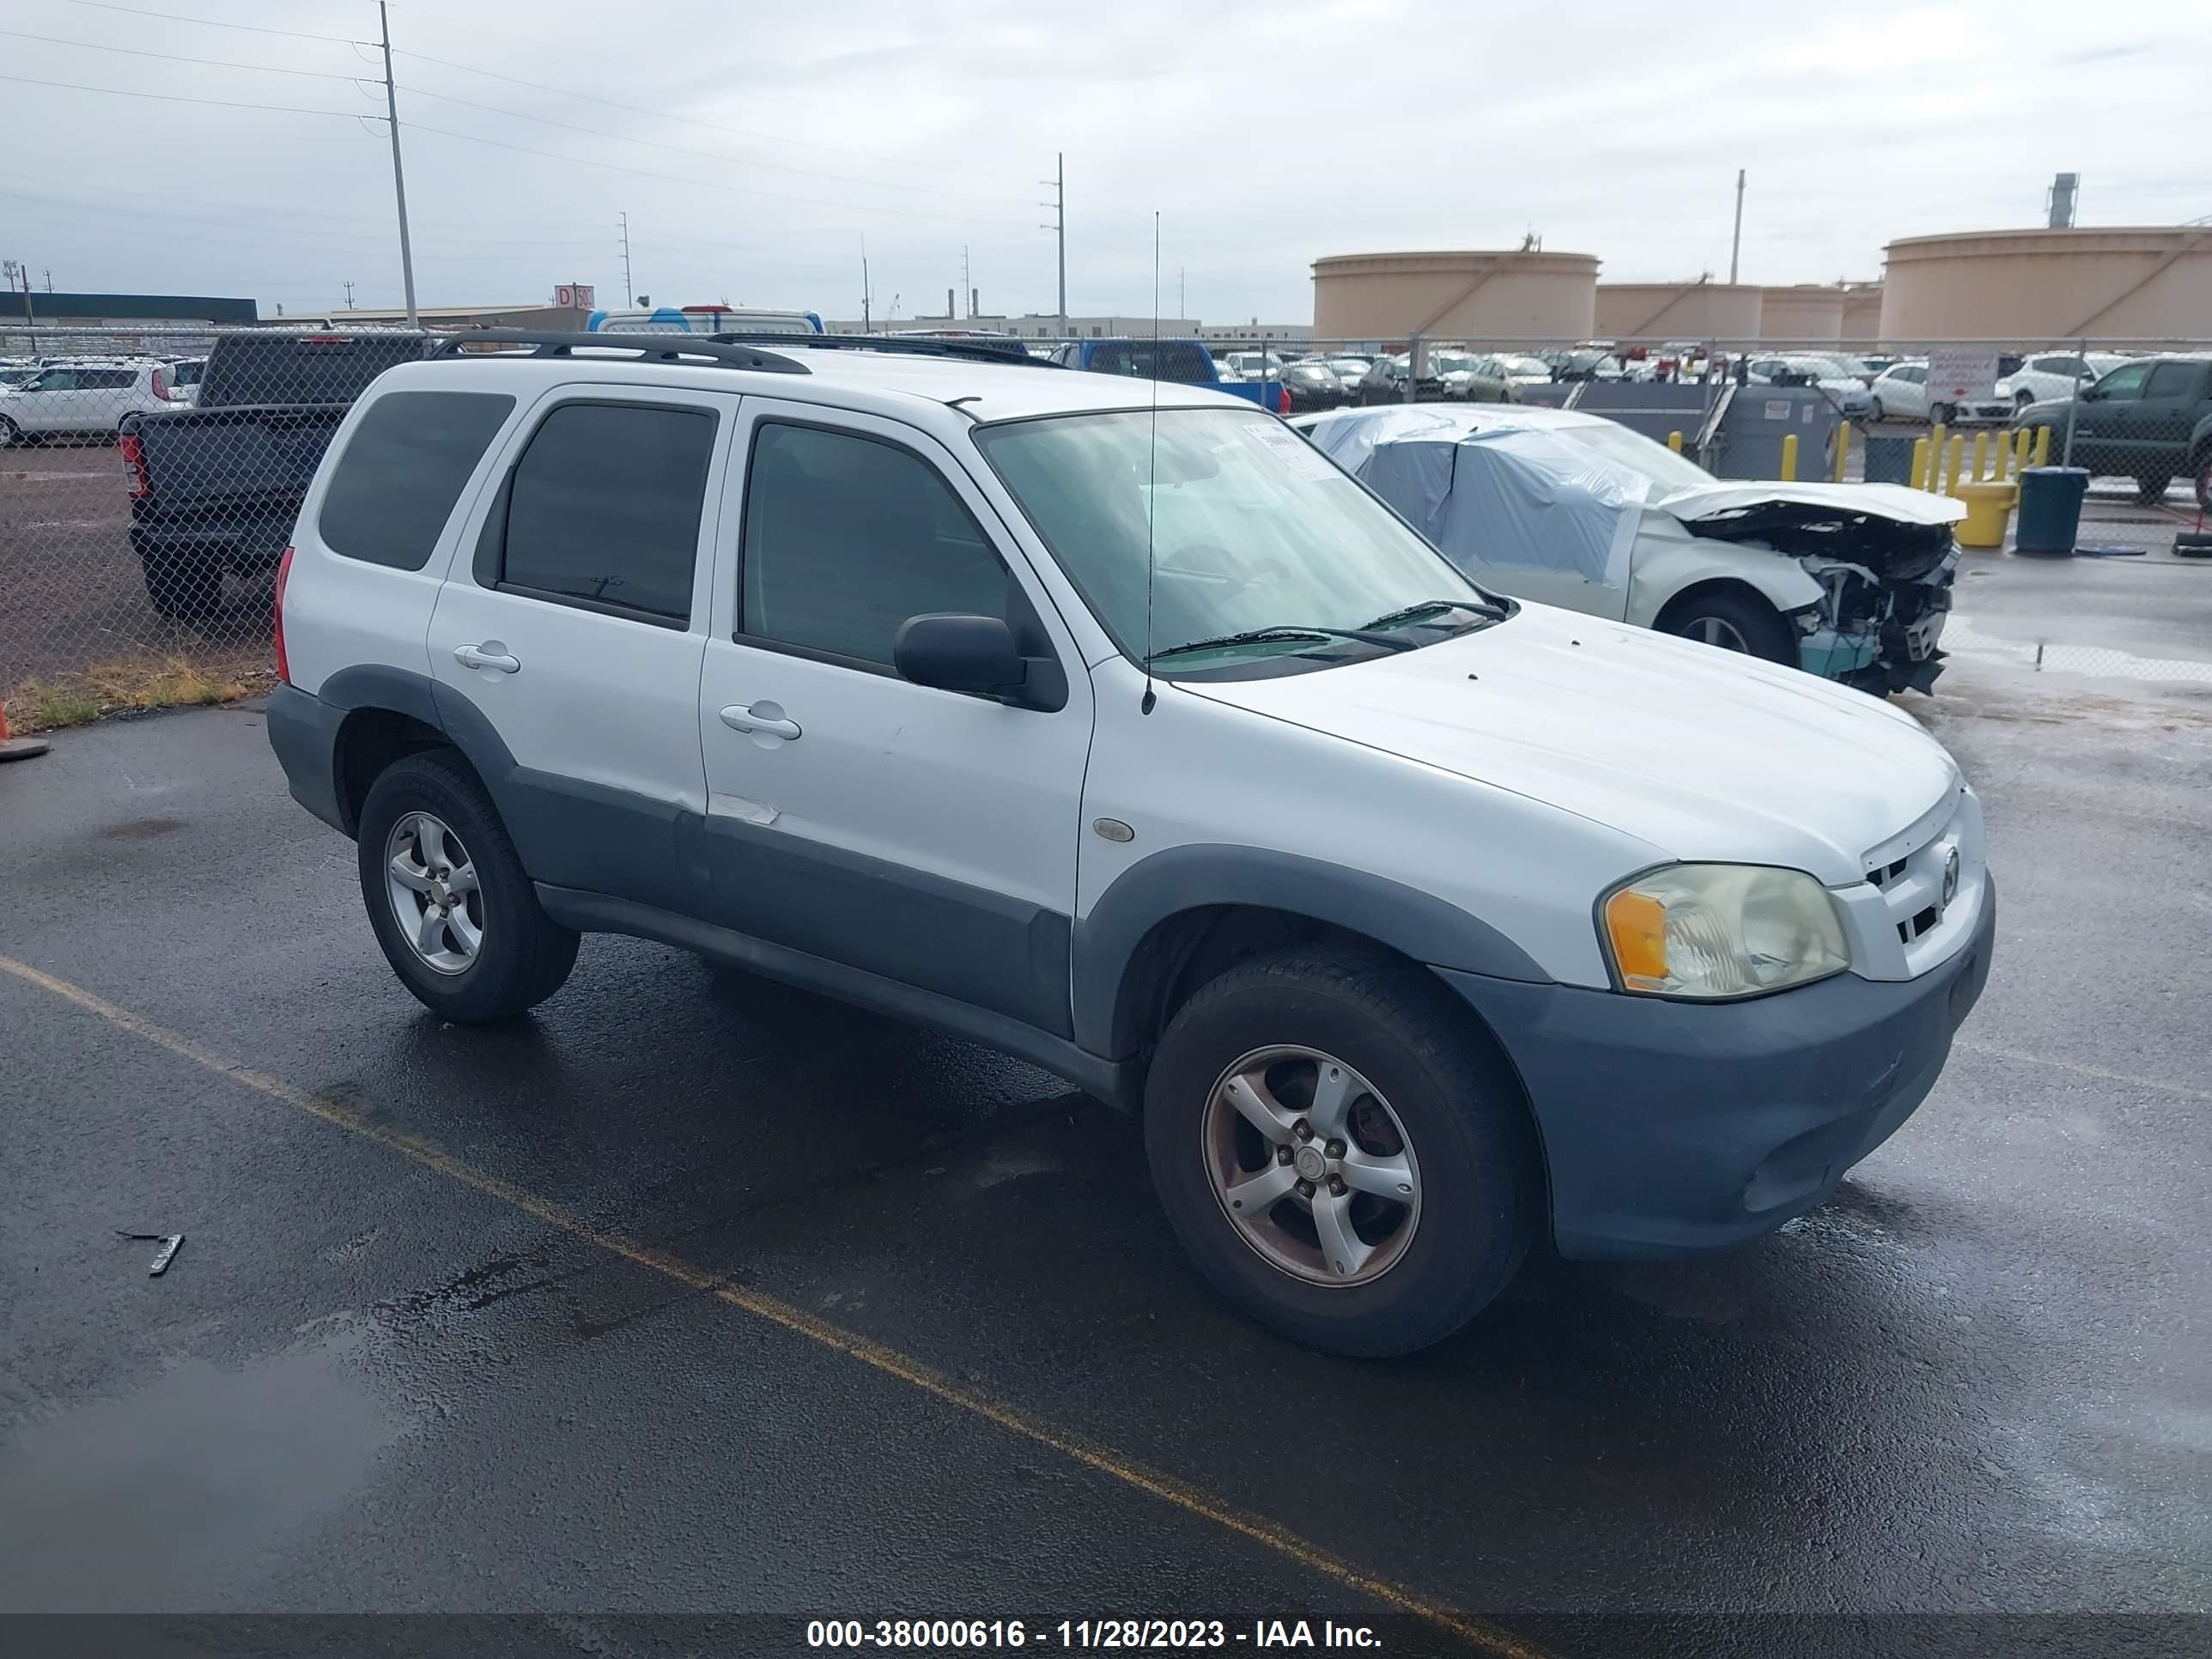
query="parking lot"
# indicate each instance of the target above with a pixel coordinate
(693, 1291)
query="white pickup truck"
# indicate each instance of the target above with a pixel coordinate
(1110, 722)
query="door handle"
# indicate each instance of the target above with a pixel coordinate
(764, 720)
(490, 654)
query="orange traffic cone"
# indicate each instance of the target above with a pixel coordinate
(18, 748)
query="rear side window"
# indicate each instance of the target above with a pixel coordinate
(397, 482)
(604, 508)
(2171, 380)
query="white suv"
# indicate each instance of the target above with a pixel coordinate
(1418, 923)
(84, 397)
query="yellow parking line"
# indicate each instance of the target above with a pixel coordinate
(890, 1361)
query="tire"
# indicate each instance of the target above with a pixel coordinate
(2150, 489)
(2205, 482)
(182, 586)
(1733, 622)
(1873, 411)
(10, 433)
(2022, 402)
(1418, 1070)
(520, 956)
(1941, 413)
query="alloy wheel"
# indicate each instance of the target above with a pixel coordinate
(435, 897)
(1311, 1166)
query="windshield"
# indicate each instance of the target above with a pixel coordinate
(1251, 528)
(1643, 456)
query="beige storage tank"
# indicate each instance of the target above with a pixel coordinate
(1497, 296)
(1862, 312)
(1678, 311)
(1808, 310)
(2150, 283)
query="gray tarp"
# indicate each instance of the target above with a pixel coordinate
(1503, 497)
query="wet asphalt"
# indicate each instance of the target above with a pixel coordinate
(397, 1367)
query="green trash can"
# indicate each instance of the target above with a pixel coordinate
(1888, 460)
(2050, 508)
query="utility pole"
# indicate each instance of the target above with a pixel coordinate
(14, 270)
(1735, 243)
(1059, 228)
(964, 281)
(48, 272)
(349, 288)
(629, 296)
(398, 176)
(867, 320)
(1181, 309)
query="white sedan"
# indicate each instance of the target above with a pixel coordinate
(1850, 581)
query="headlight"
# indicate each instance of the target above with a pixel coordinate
(1721, 930)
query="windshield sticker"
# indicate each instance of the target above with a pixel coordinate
(1304, 460)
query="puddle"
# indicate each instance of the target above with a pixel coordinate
(148, 1501)
(1962, 640)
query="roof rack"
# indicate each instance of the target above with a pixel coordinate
(649, 348)
(1008, 351)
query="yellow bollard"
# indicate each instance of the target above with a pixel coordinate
(2018, 453)
(1842, 448)
(1920, 458)
(1789, 458)
(1952, 462)
(1981, 455)
(2043, 445)
(1674, 441)
(1935, 456)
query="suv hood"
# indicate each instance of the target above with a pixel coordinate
(1703, 753)
(1701, 503)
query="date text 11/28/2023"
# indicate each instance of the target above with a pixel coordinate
(954, 1634)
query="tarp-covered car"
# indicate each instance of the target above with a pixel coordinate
(1850, 581)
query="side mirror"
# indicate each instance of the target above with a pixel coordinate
(977, 655)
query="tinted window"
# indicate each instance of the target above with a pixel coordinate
(1184, 362)
(2124, 382)
(604, 507)
(300, 369)
(2058, 364)
(106, 379)
(847, 537)
(2171, 380)
(56, 380)
(397, 482)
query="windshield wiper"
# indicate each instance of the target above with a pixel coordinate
(1413, 613)
(1289, 631)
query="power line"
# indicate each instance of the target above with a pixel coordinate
(693, 120)
(704, 154)
(214, 23)
(172, 58)
(701, 184)
(178, 98)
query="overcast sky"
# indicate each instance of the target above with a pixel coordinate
(1264, 133)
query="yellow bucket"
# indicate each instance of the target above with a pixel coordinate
(1989, 512)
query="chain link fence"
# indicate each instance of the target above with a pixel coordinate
(149, 479)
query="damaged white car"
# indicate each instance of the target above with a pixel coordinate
(1848, 581)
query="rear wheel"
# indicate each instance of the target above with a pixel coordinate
(452, 907)
(10, 433)
(2150, 488)
(182, 586)
(1733, 622)
(1341, 1155)
(2205, 482)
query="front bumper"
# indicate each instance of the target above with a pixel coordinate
(1670, 1128)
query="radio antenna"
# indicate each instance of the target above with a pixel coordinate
(1153, 466)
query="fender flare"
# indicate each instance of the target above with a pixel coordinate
(1200, 876)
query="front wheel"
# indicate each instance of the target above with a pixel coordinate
(1733, 622)
(1941, 413)
(451, 904)
(1873, 411)
(1342, 1156)
(10, 433)
(2022, 402)
(2150, 489)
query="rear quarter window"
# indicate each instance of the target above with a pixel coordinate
(395, 485)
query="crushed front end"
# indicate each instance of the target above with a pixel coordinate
(1887, 585)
